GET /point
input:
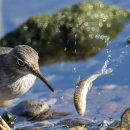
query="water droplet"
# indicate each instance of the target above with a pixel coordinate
(65, 48)
(75, 70)
(25, 28)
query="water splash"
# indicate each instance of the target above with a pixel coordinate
(75, 69)
(106, 63)
(75, 42)
(118, 60)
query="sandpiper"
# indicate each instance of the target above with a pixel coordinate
(18, 70)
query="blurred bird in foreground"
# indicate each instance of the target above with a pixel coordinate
(18, 70)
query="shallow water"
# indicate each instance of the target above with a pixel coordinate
(109, 95)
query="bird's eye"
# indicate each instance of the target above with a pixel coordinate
(20, 63)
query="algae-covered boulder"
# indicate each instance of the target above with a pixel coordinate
(74, 33)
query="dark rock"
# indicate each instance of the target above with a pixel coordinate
(36, 110)
(73, 122)
(28, 128)
(33, 109)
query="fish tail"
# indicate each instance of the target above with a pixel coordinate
(107, 71)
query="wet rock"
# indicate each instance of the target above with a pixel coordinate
(36, 110)
(125, 120)
(29, 128)
(33, 109)
(73, 122)
(79, 31)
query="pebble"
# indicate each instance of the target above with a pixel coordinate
(34, 109)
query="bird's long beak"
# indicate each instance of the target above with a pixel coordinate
(40, 76)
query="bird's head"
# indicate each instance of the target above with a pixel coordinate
(24, 60)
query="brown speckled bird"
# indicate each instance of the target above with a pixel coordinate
(18, 70)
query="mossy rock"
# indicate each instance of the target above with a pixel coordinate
(81, 30)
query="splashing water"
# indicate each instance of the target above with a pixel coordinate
(75, 43)
(112, 59)
(75, 50)
(75, 69)
(118, 60)
(106, 63)
(109, 55)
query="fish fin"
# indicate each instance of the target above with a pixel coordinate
(78, 80)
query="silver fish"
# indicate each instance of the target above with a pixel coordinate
(82, 89)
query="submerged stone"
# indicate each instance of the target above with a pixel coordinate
(33, 109)
(73, 122)
(36, 110)
(74, 33)
(28, 128)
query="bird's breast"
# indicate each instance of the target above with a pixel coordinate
(22, 85)
(17, 88)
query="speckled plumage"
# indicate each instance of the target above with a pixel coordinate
(16, 80)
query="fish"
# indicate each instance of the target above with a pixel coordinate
(82, 89)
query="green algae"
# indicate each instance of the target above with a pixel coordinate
(74, 33)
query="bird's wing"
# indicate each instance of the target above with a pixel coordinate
(4, 50)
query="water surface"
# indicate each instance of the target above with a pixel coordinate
(109, 95)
